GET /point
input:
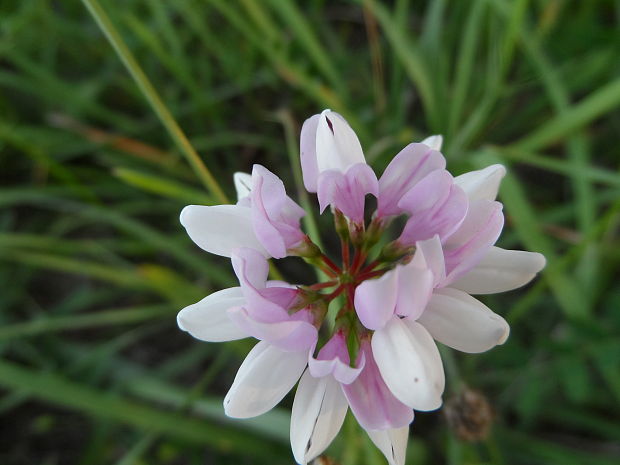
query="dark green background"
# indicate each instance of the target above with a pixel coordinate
(94, 264)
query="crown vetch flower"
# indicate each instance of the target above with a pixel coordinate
(334, 166)
(264, 218)
(396, 298)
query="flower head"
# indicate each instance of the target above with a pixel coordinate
(395, 298)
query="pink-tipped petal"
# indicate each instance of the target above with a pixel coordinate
(263, 379)
(337, 146)
(207, 320)
(375, 300)
(372, 403)
(318, 412)
(409, 363)
(287, 334)
(252, 270)
(429, 254)
(408, 167)
(457, 320)
(221, 229)
(347, 192)
(307, 150)
(250, 267)
(482, 184)
(275, 216)
(435, 206)
(333, 359)
(415, 286)
(501, 270)
(470, 243)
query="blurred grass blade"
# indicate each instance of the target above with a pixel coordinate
(559, 166)
(593, 106)
(53, 388)
(90, 320)
(153, 98)
(465, 63)
(410, 57)
(162, 186)
(290, 12)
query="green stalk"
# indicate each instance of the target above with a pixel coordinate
(149, 92)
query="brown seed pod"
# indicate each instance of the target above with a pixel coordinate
(469, 415)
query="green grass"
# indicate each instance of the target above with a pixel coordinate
(114, 115)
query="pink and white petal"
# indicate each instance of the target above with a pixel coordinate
(208, 319)
(415, 286)
(434, 142)
(375, 300)
(288, 335)
(406, 169)
(283, 296)
(266, 375)
(251, 268)
(392, 443)
(429, 254)
(337, 145)
(458, 320)
(501, 270)
(482, 184)
(307, 150)
(318, 412)
(430, 192)
(333, 359)
(470, 243)
(221, 228)
(435, 206)
(347, 192)
(243, 184)
(372, 403)
(275, 217)
(409, 363)
(346, 374)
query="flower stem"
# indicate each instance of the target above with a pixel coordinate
(330, 263)
(336, 293)
(344, 245)
(319, 286)
(358, 261)
(372, 274)
(370, 267)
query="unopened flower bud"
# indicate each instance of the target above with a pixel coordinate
(305, 249)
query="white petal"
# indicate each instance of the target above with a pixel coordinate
(220, 229)
(435, 142)
(263, 379)
(409, 363)
(243, 184)
(337, 146)
(318, 412)
(415, 286)
(392, 442)
(481, 184)
(501, 270)
(456, 319)
(429, 254)
(208, 320)
(375, 300)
